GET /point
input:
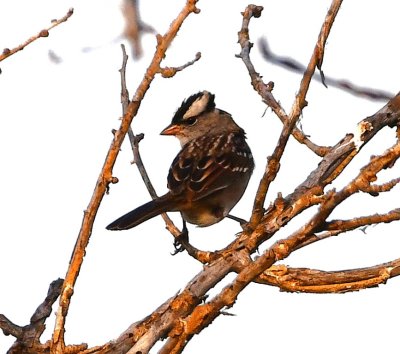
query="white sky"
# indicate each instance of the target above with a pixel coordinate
(55, 128)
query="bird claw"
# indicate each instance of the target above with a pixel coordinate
(181, 242)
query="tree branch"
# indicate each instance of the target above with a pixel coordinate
(28, 337)
(105, 177)
(300, 102)
(322, 282)
(265, 90)
(134, 142)
(43, 33)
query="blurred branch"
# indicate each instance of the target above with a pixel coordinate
(105, 177)
(134, 26)
(295, 66)
(43, 33)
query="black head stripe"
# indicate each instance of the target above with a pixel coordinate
(186, 104)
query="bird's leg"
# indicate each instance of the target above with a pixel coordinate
(181, 240)
(239, 220)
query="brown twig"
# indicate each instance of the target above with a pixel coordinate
(273, 164)
(355, 223)
(366, 176)
(105, 177)
(337, 227)
(284, 209)
(170, 71)
(184, 315)
(43, 33)
(265, 90)
(203, 315)
(134, 142)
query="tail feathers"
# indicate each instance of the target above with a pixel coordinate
(142, 213)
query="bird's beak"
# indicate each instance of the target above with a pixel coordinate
(172, 129)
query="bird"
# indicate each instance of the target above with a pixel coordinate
(210, 173)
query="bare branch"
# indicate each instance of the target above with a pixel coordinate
(355, 223)
(169, 71)
(337, 227)
(28, 337)
(318, 281)
(317, 223)
(265, 90)
(43, 33)
(105, 177)
(273, 164)
(134, 142)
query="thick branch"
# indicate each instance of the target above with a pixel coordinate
(318, 281)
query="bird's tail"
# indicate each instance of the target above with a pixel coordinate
(142, 213)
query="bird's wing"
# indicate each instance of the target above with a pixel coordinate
(208, 164)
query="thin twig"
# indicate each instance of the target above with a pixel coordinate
(43, 33)
(273, 164)
(170, 71)
(134, 142)
(265, 90)
(105, 177)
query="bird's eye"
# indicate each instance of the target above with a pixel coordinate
(191, 121)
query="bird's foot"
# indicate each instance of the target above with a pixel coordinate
(181, 241)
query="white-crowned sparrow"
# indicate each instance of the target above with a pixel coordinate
(211, 172)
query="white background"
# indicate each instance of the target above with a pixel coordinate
(55, 126)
